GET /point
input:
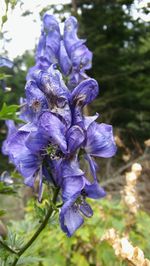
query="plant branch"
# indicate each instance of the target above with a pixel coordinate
(7, 247)
(39, 230)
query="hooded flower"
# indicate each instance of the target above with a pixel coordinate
(82, 95)
(56, 133)
(32, 146)
(99, 142)
(79, 54)
(70, 52)
(75, 189)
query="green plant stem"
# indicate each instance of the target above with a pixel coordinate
(7, 247)
(39, 230)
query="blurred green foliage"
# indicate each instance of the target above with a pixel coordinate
(85, 248)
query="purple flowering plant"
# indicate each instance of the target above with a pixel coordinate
(56, 135)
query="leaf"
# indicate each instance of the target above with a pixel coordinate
(4, 76)
(2, 212)
(28, 260)
(5, 189)
(79, 260)
(9, 112)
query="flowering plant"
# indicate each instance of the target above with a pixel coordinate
(56, 135)
(56, 132)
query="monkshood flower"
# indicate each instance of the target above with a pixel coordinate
(79, 54)
(75, 191)
(56, 133)
(68, 50)
(49, 145)
(46, 90)
(52, 143)
(30, 147)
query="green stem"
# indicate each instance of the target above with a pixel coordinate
(39, 230)
(7, 247)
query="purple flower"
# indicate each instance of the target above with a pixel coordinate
(70, 52)
(57, 133)
(99, 142)
(71, 39)
(75, 189)
(46, 90)
(82, 95)
(47, 51)
(48, 141)
(64, 60)
(79, 54)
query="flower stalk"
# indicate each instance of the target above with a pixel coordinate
(7, 247)
(39, 230)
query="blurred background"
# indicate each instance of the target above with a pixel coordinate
(118, 34)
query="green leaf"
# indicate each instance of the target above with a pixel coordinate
(79, 260)
(5, 189)
(28, 260)
(2, 212)
(4, 76)
(9, 112)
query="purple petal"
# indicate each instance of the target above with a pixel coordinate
(36, 141)
(17, 143)
(35, 97)
(26, 162)
(85, 92)
(41, 46)
(70, 168)
(100, 140)
(52, 126)
(40, 185)
(43, 64)
(75, 136)
(64, 61)
(85, 208)
(93, 165)
(81, 58)
(51, 26)
(27, 114)
(71, 39)
(29, 127)
(71, 186)
(46, 174)
(70, 218)
(78, 118)
(51, 83)
(88, 120)
(94, 191)
(74, 79)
